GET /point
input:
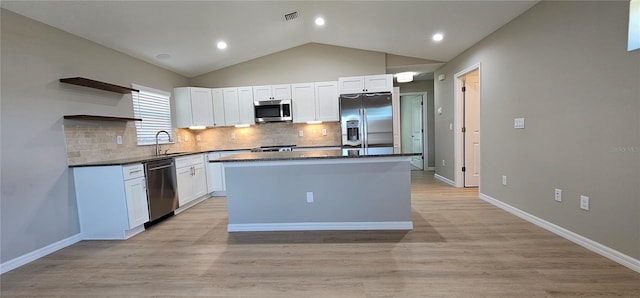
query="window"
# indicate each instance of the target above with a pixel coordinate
(634, 25)
(154, 108)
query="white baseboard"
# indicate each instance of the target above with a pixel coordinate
(39, 253)
(191, 204)
(607, 252)
(321, 226)
(445, 180)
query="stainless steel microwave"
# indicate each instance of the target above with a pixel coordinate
(272, 110)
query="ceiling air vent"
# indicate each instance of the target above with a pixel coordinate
(291, 16)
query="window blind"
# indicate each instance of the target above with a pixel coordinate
(154, 108)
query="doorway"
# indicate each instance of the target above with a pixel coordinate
(467, 90)
(411, 128)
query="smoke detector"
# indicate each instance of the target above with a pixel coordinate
(291, 16)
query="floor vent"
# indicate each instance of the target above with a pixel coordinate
(291, 16)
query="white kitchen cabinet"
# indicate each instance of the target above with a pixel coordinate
(215, 172)
(215, 175)
(245, 105)
(192, 179)
(315, 102)
(238, 106)
(217, 99)
(194, 107)
(231, 106)
(272, 92)
(112, 201)
(363, 84)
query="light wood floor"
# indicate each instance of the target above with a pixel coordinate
(460, 247)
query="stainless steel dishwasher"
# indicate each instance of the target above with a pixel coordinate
(162, 189)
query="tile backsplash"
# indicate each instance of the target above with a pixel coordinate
(95, 141)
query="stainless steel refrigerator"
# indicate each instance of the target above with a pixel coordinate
(367, 123)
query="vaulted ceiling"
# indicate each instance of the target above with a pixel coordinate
(182, 35)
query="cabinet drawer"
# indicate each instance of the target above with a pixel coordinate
(187, 161)
(133, 171)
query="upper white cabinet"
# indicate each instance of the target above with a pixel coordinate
(245, 105)
(217, 99)
(271, 92)
(375, 83)
(231, 106)
(194, 107)
(315, 102)
(327, 101)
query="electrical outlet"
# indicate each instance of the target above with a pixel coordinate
(186, 138)
(324, 131)
(179, 139)
(119, 140)
(443, 163)
(504, 180)
(198, 138)
(584, 203)
(233, 136)
(558, 195)
(518, 123)
(309, 197)
(450, 126)
(300, 133)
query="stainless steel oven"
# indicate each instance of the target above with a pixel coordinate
(272, 110)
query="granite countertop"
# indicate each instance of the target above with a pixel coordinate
(298, 155)
(125, 161)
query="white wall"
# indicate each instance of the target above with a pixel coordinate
(312, 62)
(38, 205)
(563, 66)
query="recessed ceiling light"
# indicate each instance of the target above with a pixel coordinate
(319, 21)
(437, 37)
(163, 56)
(222, 45)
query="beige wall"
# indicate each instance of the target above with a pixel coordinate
(311, 62)
(563, 66)
(38, 205)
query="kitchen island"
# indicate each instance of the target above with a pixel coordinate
(317, 190)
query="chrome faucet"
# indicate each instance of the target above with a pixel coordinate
(158, 145)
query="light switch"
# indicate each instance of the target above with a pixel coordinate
(450, 126)
(324, 131)
(440, 111)
(233, 136)
(518, 123)
(309, 197)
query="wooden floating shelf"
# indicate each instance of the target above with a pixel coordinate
(98, 85)
(100, 118)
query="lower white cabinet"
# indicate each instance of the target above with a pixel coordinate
(112, 201)
(192, 179)
(215, 172)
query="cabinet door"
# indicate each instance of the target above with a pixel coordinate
(136, 196)
(182, 100)
(327, 101)
(201, 107)
(350, 85)
(185, 187)
(281, 91)
(214, 174)
(217, 99)
(303, 100)
(231, 106)
(378, 83)
(245, 105)
(199, 181)
(262, 93)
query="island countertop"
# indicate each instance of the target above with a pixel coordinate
(303, 155)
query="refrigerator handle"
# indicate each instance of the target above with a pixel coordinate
(365, 128)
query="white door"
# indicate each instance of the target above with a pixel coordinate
(472, 129)
(416, 132)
